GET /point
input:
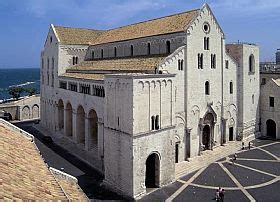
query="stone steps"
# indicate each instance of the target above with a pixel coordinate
(207, 157)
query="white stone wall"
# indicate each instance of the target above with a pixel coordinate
(248, 90)
(270, 89)
(140, 46)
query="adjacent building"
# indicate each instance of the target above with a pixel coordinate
(137, 99)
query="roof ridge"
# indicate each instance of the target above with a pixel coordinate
(136, 23)
(79, 28)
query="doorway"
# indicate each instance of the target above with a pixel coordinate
(231, 134)
(271, 128)
(177, 152)
(206, 137)
(152, 171)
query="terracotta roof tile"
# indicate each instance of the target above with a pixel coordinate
(84, 76)
(76, 36)
(164, 25)
(23, 173)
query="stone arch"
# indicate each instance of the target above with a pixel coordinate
(93, 129)
(152, 174)
(25, 112)
(60, 114)
(35, 111)
(80, 124)
(69, 120)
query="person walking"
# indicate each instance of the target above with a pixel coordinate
(217, 195)
(243, 146)
(221, 194)
(249, 145)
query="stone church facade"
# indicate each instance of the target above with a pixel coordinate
(140, 98)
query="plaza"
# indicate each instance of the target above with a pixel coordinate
(254, 176)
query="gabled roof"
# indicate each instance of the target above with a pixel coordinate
(76, 36)
(164, 25)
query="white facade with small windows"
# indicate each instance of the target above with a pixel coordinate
(138, 99)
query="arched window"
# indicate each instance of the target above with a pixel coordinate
(252, 63)
(231, 87)
(157, 122)
(115, 51)
(153, 122)
(77, 60)
(52, 63)
(50, 39)
(207, 88)
(149, 49)
(168, 49)
(48, 63)
(92, 55)
(73, 60)
(200, 61)
(42, 63)
(206, 43)
(180, 64)
(213, 61)
(102, 53)
(253, 99)
(131, 50)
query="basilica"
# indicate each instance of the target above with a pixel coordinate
(137, 100)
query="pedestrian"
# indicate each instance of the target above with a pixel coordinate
(221, 194)
(249, 145)
(243, 146)
(217, 195)
(235, 156)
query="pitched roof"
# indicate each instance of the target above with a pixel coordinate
(120, 64)
(84, 76)
(76, 36)
(23, 173)
(164, 25)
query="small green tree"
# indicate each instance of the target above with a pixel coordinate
(15, 92)
(30, 91)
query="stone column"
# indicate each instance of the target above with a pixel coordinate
(74, 129)
(100, 138)
(87, 135)
(188, 143)
(201, 126)
(65, 122)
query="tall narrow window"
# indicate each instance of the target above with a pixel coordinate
(52, 63)
(251, 63)
(200, 61)
(73, 60)
(226, 64)
(131, 50)
(157, 122)
(206, 43)
(153, 122)
(253, 99)
(76, 60)
(149, 49)
(271, 101)
(207, 88)
(48, 63)
(102, 53)
(42, 63)
(213, 61)
(115, 51)
(168, 48)
(92, 55)
(182, 64)
(231, 87)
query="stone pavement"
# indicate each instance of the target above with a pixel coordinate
(255, 176)
(207, 158)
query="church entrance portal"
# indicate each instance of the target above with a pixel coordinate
(231, 134)
(271, 128)
(206, 137)
(152, 171)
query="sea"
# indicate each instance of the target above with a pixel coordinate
(21, 77)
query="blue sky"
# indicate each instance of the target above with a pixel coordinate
(25, 23)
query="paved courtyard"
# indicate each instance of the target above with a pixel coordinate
(254, 176)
